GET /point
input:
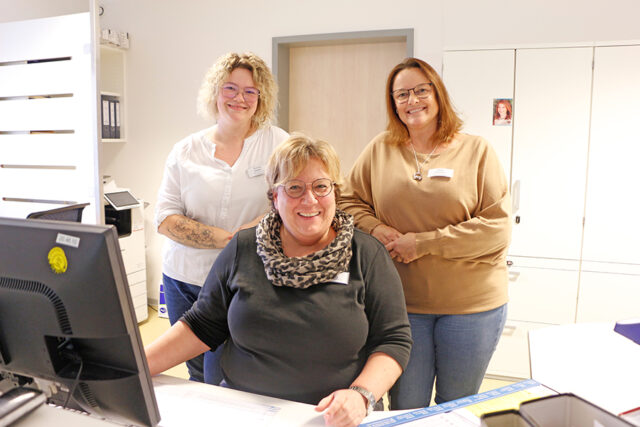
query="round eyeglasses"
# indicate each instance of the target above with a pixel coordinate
(422, 91)
(231, 90)
(321, 187)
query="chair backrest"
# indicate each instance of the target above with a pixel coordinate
(72, 213)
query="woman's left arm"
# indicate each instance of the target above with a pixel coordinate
(389, 340)
(348, 407)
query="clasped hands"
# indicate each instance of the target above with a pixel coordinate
(402, 247)
(343, 408)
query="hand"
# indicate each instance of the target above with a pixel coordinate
(344, 408)
(385, 234)
(404, 249)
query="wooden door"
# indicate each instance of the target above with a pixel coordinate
(337, 93)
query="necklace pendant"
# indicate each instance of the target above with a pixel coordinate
(417, 176)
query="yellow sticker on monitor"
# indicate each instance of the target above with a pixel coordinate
(57, 260)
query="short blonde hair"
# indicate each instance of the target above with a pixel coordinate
(448, 121)
(220, 71)
(291, 157)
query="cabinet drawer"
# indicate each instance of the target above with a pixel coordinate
(543, 294)
(132, 248)
(511, 358)
(137, 289)
(137, 277)
(140, 306)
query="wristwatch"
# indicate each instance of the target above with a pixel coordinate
(367, 395)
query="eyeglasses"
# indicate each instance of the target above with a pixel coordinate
(422, 91)
(320, 187)
(231, 90)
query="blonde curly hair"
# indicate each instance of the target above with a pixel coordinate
(220, 71)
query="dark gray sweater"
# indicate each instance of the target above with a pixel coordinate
(300, 344)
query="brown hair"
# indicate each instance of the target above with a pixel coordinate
(448, 121)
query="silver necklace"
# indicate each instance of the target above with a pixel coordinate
(418, 175)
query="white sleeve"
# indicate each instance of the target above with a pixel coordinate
(169, 201)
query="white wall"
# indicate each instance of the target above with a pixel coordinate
(173, 42)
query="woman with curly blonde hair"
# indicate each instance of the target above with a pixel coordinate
(213, 183)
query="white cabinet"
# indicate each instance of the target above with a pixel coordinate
(112, 87)
(133, 256)
(610, 230)
(573, 177)
(551, 137)
(474, 79)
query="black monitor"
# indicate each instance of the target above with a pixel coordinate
(67, 321)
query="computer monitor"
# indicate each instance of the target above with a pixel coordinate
(67, 320)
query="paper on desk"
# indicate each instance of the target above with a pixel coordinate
(188, 403)
(190, 408)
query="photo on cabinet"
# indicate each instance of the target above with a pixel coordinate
(502, 111)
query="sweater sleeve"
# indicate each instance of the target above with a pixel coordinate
(389, 330)
(487, 234)
(207, 318)
(357, 196)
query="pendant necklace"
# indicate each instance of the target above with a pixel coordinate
(418, 175)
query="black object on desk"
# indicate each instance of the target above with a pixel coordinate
(67, 319)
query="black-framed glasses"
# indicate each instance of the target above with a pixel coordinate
(422, 91)
(231, 90)
(320, 187)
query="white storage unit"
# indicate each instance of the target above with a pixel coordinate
(48, 126)
(133, 255)
(568, 144)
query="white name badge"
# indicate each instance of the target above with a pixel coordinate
(440, 172)
(342, 278)
(255, 171)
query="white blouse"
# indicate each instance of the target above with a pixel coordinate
(208, 190)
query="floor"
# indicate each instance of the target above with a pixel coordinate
(154, 326)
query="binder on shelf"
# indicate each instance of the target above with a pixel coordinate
(112, 118)
(117, 119)
(106, 122)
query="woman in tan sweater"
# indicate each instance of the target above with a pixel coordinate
(439, 201)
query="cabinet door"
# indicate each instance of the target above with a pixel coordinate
(511, 358)
(474, 79)
(607, 297)
(549, 164)
(543, 290)
(612, 205)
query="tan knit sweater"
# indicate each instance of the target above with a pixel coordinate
(463, 223)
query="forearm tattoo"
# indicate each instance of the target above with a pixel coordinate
(192, 233)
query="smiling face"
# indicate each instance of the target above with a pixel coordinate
(306, 219)
(417, 114)
(502, 111)
(237, 110)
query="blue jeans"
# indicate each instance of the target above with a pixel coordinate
(452, 350)
(179, 297)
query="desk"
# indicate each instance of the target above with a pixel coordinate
(590, 360)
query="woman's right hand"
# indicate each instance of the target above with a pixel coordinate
(385, 234)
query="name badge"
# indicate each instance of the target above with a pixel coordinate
(341, 278)
(255, 171)
(440, 173)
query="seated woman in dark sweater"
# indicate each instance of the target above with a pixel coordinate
(307, 307)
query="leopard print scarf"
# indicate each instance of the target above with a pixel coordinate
(303, 272)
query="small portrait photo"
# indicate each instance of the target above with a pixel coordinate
(502, 110)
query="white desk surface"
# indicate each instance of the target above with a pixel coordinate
(188, 403)
(590, 360)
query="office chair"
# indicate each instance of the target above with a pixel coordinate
(72, 213)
